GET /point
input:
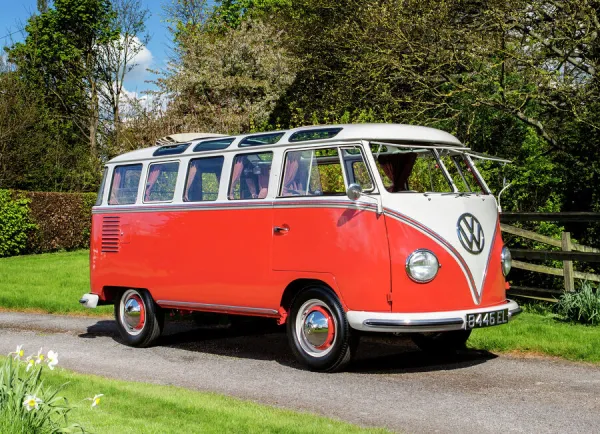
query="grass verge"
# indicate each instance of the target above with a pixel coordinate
(51, 282)
(146, 408)
(542, 333)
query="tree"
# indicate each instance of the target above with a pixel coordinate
(116, 59)
(60, 57)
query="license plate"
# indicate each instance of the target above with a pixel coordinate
(487, 319)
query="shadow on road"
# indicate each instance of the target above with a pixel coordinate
(375, 355)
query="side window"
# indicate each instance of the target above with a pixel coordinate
(125, 184)
(250, 176)
(101, 189)
(203, 178)
(356, 168)
(160, 185)
(316, 172)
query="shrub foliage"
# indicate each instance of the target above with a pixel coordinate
(39, 222)
(582, 306)
(15, 223)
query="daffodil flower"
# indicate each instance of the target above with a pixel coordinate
(52, 359)
(30, 363)
(32, 402)
(40, 357)
(96, 400)
(18, 353)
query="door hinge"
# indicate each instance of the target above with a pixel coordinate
(388, 296)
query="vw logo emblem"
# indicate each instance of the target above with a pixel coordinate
(470, 233)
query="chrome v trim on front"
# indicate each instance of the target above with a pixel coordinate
(216, 307)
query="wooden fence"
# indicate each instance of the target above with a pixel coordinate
(568, 252)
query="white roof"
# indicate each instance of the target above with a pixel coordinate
(391, 133)
(185, 137)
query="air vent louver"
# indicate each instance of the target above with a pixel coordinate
(111, 233)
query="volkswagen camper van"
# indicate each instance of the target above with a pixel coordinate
(335, 231)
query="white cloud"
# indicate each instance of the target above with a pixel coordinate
(142, 61)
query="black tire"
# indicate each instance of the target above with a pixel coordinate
(335, 352)
(150, 318)
(442, 342)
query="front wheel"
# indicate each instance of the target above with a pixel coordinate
(318, 331)
(139, 319)
(442, 342)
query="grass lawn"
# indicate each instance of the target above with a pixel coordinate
(146, 408)
(51, 282)
(541, 333)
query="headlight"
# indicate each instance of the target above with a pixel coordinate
(506, 260)
(422, 266)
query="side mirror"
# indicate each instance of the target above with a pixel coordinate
(354, 191)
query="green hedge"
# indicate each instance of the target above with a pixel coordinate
(39, 222)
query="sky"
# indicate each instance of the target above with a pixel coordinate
(14, 15)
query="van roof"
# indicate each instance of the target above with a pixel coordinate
(188, 143)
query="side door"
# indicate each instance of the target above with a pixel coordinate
(318, 230)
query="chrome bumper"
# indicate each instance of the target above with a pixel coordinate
(389, 322)
(89, 300)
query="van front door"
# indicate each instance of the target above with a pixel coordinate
(319, 233)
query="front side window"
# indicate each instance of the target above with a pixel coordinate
(315, 172)
(203, 179)
(160, 186)
(125, 184)
(250, 176)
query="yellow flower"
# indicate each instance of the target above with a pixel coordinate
(32, 402)
(18, 353)
(95, 400)
(40, 357)
(30, 363)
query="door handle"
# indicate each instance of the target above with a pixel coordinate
(281, 229)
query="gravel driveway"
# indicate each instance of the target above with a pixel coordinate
(391, 384)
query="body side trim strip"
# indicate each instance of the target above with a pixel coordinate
(216, 307)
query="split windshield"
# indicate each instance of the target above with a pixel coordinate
(422, 170)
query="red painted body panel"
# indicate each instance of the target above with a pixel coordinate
(350, 244)
(232, 257)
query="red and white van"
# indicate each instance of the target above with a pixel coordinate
(334, 230)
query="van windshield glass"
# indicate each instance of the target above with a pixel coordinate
(418, 170)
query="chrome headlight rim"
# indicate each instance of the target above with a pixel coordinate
(506, 261)
(408, 265)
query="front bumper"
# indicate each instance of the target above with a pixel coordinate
(389, 322)
(89, 300)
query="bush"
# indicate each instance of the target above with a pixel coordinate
(582, 306)
(15, 223)
(63, 220)
(26, 405)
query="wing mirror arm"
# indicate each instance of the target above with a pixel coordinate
(355, 192)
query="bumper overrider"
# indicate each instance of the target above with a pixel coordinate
(389, 322)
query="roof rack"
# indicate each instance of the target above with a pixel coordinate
(175, 139)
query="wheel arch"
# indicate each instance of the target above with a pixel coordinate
(297, 285)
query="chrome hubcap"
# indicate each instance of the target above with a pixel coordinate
(133, 312)
(315, 328)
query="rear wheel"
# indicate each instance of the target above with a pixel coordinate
(442, 342)
(318, 331)
(139, 319)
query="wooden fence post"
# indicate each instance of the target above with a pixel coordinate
(567, 265)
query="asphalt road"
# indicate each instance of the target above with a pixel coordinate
(391, 384)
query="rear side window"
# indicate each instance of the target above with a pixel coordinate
(160, 186)
(250, 176)
(101, 190)
(203, 178)
(316, 172)
(125, 184)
